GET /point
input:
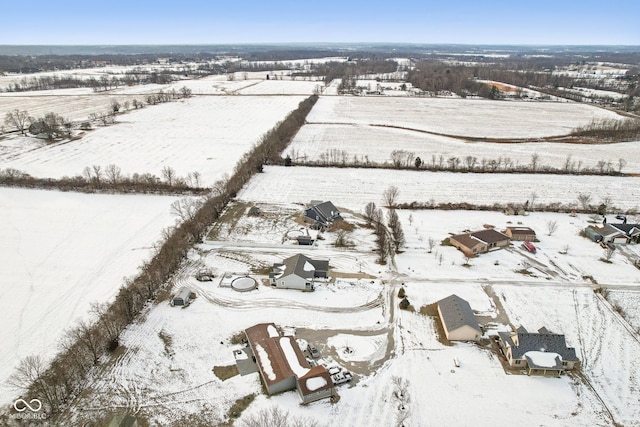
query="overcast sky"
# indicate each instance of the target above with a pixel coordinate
(282, 21)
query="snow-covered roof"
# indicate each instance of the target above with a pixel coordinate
(280, 358)
(543, 360)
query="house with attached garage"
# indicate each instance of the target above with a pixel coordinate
(321, 214)
(632, 231)
(458, 320)
(282, 365)
(298, 272)
(609, 234)
(520, 233)
(478, 242)
(538, 352)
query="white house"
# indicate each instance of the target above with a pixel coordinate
(458, 320)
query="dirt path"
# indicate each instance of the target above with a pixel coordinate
(320, 337)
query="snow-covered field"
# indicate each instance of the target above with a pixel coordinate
(460, 117)
(283, 87)
(354, 188)
(61, 252)
(203, 134)
(376, 144)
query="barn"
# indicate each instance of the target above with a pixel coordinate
(458, 320)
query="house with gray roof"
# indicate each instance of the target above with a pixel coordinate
(298, 272)
(321, 214)
(458, 320)
(632, 231)
(539, 352)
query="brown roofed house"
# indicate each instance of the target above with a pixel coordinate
(522, 234)
(478, 242)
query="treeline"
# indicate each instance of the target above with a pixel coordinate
(406, 160)
(436, 77)
(40, 63)
(110, 179)
(350, 70)
(84, 343)
(104, 83)
(508, 207)
(610, 130)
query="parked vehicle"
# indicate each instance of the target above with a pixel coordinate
(204, 276)
(529, 247)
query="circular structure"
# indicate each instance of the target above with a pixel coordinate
(244, 284)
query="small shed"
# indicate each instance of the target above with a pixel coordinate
(182, 298)
(593, 234)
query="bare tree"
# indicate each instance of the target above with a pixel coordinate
(185, 92)
(552, 226)
(397, 235)
(18, 119)
(584, 200)
(169, 174)
(390, 196)
(534, 161)
(401, 392)
(370, 213)
(114, 174)
(431, 242)
(621, 164)
(534, 197)
(276, 417)
(341, 239)
(186, 208)
(608, 253)
(30, 369)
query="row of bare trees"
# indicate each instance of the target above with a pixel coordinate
(85, 342)
(403, 159)
(110, 179)
(389, 236)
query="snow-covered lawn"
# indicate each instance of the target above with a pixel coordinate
(376, 144)
(608, 352)
(61, 252)
(461, 117)
(353, 188)
(203, 134)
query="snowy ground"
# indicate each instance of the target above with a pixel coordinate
(61, 252)
(436, 187)
(203, 134)
(460, 117)
(316, 140)
(157, 378)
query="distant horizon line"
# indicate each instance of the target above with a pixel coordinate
(320, 43)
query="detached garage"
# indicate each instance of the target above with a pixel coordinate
(458, 320)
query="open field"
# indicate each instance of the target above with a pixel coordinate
(203, 134)
(471, 118)
(375, 143)
(60, 253)
(354, 188)
(282, 87)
